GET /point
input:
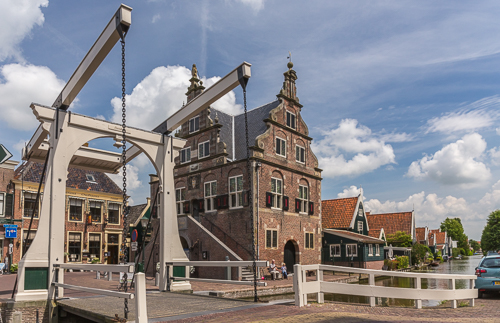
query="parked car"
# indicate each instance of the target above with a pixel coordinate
(488, 275)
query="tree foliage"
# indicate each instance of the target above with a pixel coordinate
(455, 230)
(474, 245)
(399, 239)
(490, 239)
(419, 253)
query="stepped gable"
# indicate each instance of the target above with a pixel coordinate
(338, 213)
(77, 178)
(391, 222)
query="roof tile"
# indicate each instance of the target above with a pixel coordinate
(338, 213)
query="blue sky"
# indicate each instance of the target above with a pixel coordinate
(402, 98)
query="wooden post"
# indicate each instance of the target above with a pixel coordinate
(371, 282)
(418, 285)
(297, 285)
(452, 287)
(319, 277)
(471, 286)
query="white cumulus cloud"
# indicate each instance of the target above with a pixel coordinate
(351, 149)
(351, 191)
(256, 5)
(160, 94)
(22, 84)
(17, 19)
(457, 163)
(480, 114)
(133, 181)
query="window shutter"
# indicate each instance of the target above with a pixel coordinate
(285, 203)
(269, 199)
(186, 207)
(246, 198)
(311, 208)
(201, 205)
(225, 201)
(9, 205)
(297, 205)
(218, 202)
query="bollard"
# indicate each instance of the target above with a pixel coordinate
(140, 299)
(110, 276)
(97, 275)
(157, 279)
(228, 270)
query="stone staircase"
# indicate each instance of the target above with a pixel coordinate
(247, 274)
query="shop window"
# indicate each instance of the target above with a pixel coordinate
(95, 245)
(95, 208)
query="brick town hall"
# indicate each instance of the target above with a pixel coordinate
(212, 184)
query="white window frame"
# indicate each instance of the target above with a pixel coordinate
(307, 240)
(119, 213)
(294, 119)
(202, 152)
(179, 202)
(2, 207)
(274, 242)
(351, 254)
(277, 199)
(191, 130)
(102, 207)
(37, 215)
(81, 246)
(333, 250)
(377, 249)
(90, 178)
(98, 256)
(82, 207)
(299, 149)
(281, 145)
(184, 151)
(370, 249)
(238, 193)
(360, 227)
(210, 198)
(304, 201)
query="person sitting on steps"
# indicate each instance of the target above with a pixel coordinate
(283, 270)
(273, 270)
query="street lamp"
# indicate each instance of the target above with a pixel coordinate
(144, 224)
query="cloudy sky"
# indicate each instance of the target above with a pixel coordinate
(402, 98)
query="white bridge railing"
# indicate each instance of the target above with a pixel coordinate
(140, 285)
(302, 287)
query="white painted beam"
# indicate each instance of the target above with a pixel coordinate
(96, 291)
(259, 263)
(119, 24)
(240, 74)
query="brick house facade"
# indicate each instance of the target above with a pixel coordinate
(93, 225)
(211, 181)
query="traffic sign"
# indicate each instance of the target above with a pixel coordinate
(134, 246)
(11, 232)
(4, 154)
(134, 235)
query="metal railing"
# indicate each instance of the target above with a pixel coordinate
(302, 287)
(140, 285)
(227, 264)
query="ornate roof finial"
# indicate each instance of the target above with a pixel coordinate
(196, 86)
(290, 64)
(216, 118)
(289, 90)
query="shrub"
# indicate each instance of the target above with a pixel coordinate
(391, 264)
(455, 252)
(403, 262)
(95, 260)
(439, 258)
(13, 268)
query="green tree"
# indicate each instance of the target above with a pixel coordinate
(418, 253)
(399, 239)
(475, 245)
(455, 230)
(490, 239)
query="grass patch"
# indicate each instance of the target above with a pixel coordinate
(463, 304)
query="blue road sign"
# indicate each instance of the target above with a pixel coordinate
(11, 232)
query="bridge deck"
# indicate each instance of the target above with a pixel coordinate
(160, 306)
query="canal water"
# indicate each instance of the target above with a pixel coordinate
(465, 266)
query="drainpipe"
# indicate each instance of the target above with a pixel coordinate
(256, 166)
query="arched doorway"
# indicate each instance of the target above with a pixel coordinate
(289, 255)
(185, 246)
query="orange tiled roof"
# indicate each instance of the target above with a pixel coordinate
(338, 213)
(391, 222)
(441, 237)
(374, 233)
(420, 234)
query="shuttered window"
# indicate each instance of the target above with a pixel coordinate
(210, 194)
(277, 192)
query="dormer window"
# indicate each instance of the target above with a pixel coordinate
(90, 178)
(194, 124)
(290, 120)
